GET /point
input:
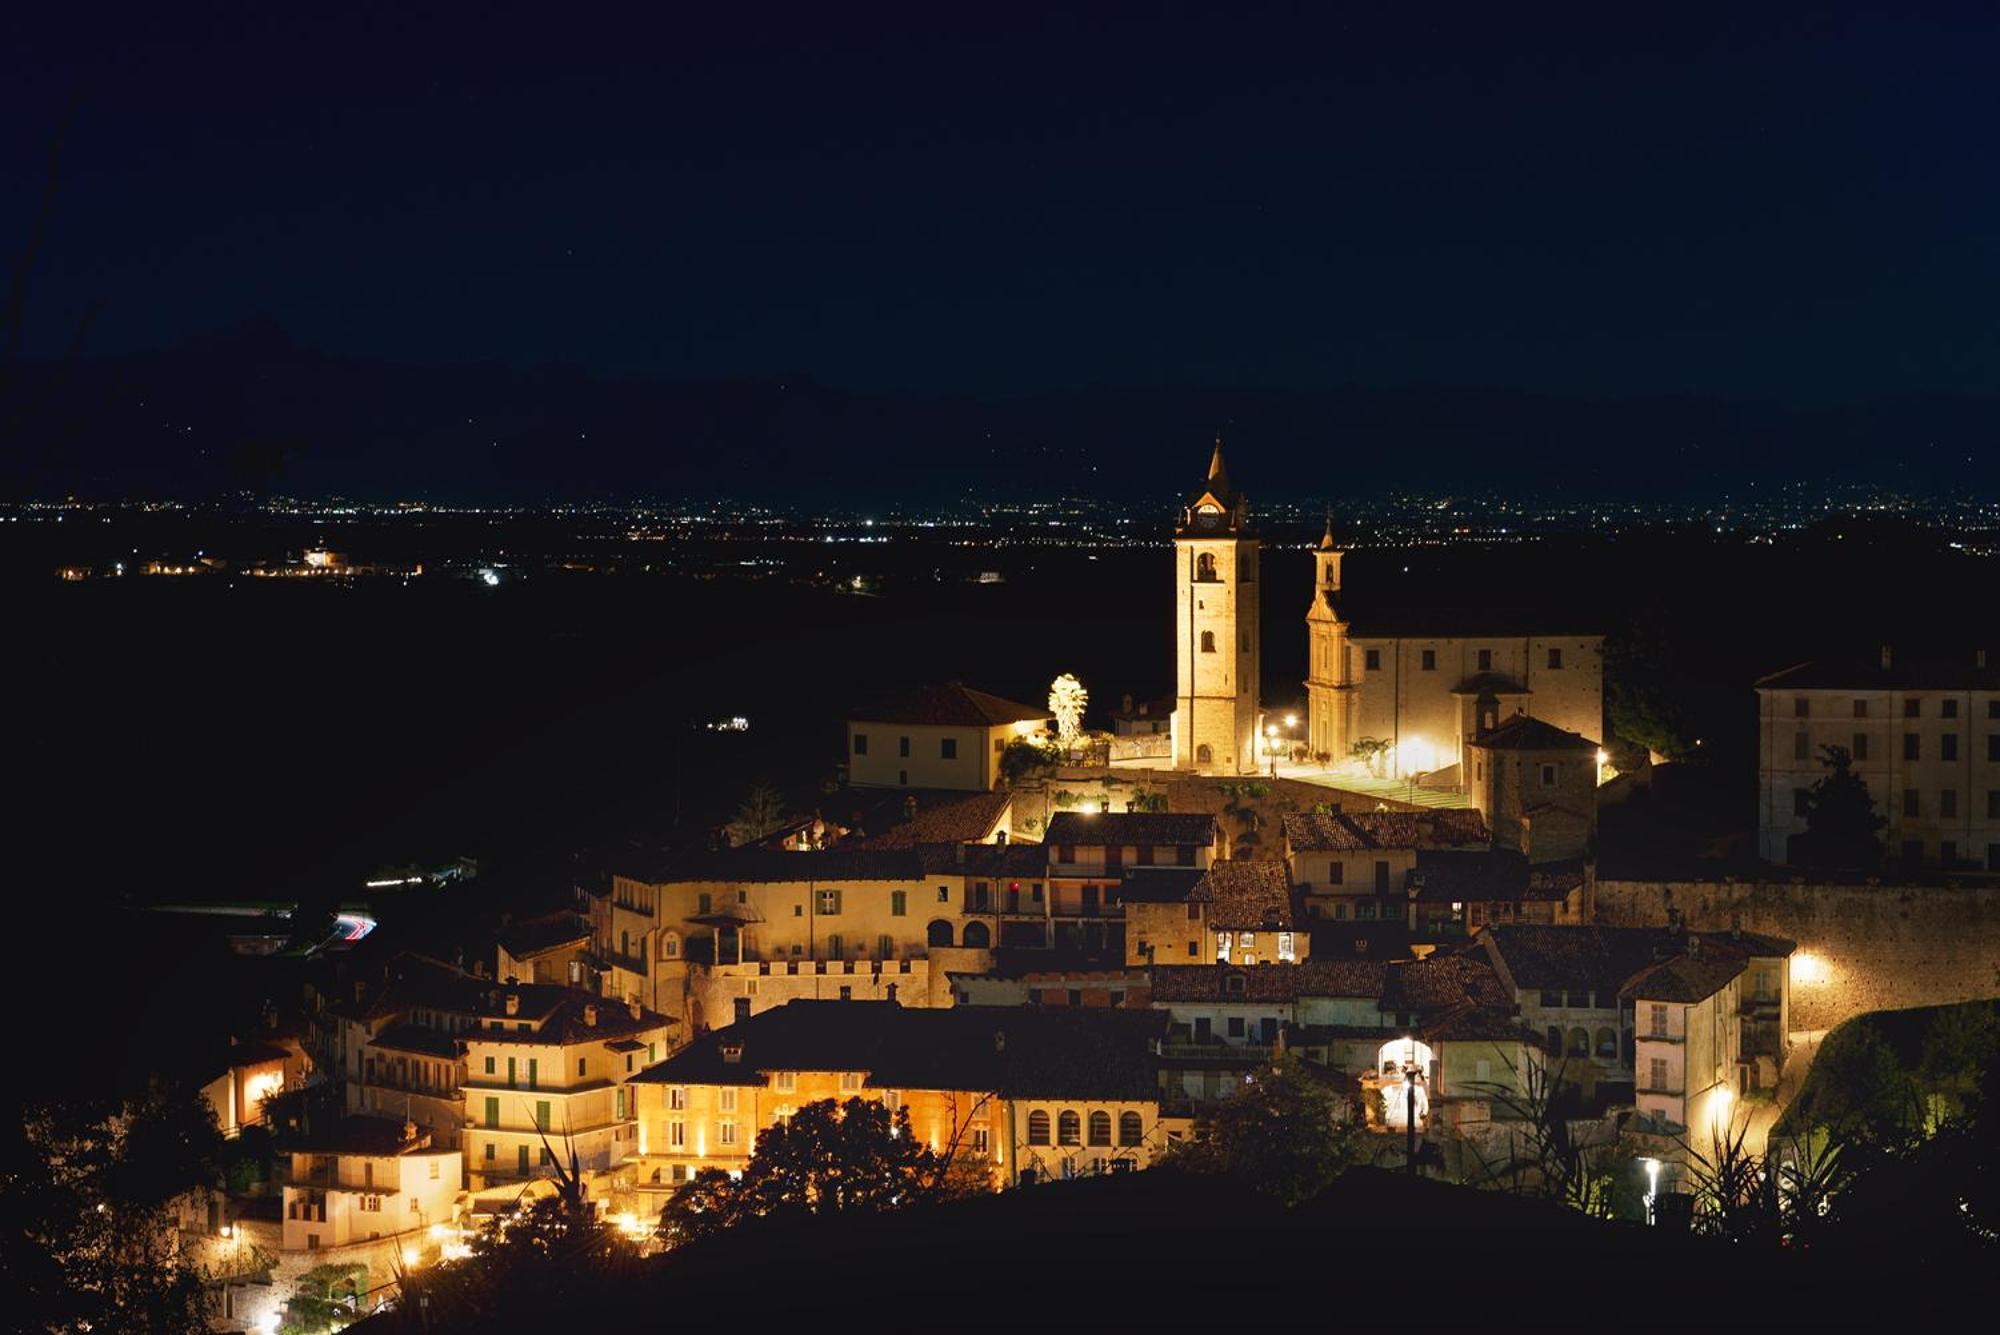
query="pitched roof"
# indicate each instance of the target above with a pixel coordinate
(1575, 957)
(750, 866)
(1017, 1052)
(1000, 861)
(952, 705)
(416, 1038)
(1439, 982)
(1406, 621)
(1524, 732)
(1131, 828)
(966, 819)
(1683, 979)
(361, 1134)
(1607, 959)
(559, 1015)
(1360, 831)
(1926, 673)
(551, 931)
(1248, 895)
(1268, 982)
(1165, 885)
(1460, 875)
(1146, 709)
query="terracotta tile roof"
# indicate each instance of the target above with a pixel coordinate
(1016, 1052)
(1131, 828)
(752, 866)
(1682, 979)
(964, 820)
(1484, 875)
(1268, 982)
(1009, 861)
(558, 1016)
(408, 981)
(1924, 672)
(360, 1134)
(1248, 895)
(416, 1038)
(1165, 885)
(1360, 831)
(1574, 958)
(1526, 733)
(1439, 982)
(552, 931)
(953, 704)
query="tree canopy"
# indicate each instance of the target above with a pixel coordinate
(1286, 1131)
(1841, 820)
(828, 1158)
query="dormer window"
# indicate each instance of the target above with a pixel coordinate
(1233, 985)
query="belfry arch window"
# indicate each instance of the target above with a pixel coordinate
(1203, 755)
(1204, 567)
(1208, 641)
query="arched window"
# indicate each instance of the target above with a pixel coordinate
(1555, 1041)
(1208, 641)
(1579, 1042)
(1607, 1045)
(1069, 1129)
(1130, 1129)
(939, 933)
(978, 935)
(1204, 566)
(1100, 1129)
(1203, 754)
(1038, 1128)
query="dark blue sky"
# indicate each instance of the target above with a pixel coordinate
(1765, 201)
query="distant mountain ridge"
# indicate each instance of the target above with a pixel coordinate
(258, 408)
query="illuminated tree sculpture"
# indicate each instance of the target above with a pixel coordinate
(1066, 701)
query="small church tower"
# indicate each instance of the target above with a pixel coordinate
(1217, 634)
(1329, 687)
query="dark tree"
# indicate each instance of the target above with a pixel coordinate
(89, 1191)
(1841, 820)
(829, 1158)
(1286, 1132)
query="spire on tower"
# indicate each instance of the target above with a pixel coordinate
(1326, 543)
(1218, 476)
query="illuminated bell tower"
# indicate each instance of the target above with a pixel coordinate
(1216, 635)
(1329, 687)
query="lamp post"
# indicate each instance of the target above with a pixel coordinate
(1410, 1115)
(1271, 747)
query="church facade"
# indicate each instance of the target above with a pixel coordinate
(1413, 690)
(1217, 640)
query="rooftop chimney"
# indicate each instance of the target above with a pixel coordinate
(632, 1005)
(999, 1040)
(1979, 658)
(513, 1003)
(1886, 658)
(1126, 700)
(590, 1016)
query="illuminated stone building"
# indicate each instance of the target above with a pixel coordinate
(367, 1179)
(1032, 1092)
(1356, 866)
(948, 737)
(1924, 736)
(545, 1075)
(1090, 855)
(1217, 645)
(1536, 787)
(1423, 686)
(1234, 910)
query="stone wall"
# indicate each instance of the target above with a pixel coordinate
(1860, 947)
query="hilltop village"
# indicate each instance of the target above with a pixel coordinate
(1058, 955)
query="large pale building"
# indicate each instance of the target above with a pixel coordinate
(1924, 736)
(1421, 688)
(1216, 633)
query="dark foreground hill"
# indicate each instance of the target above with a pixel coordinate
(1160, 1248)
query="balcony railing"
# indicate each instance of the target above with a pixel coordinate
(1088, 911)
(1252, 1052)
(1660, 1038)
(1676, 1092)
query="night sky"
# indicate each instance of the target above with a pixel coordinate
(1786, 203)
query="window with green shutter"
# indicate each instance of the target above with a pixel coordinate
(492, 1113)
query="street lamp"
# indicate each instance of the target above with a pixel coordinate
(1271, 747)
